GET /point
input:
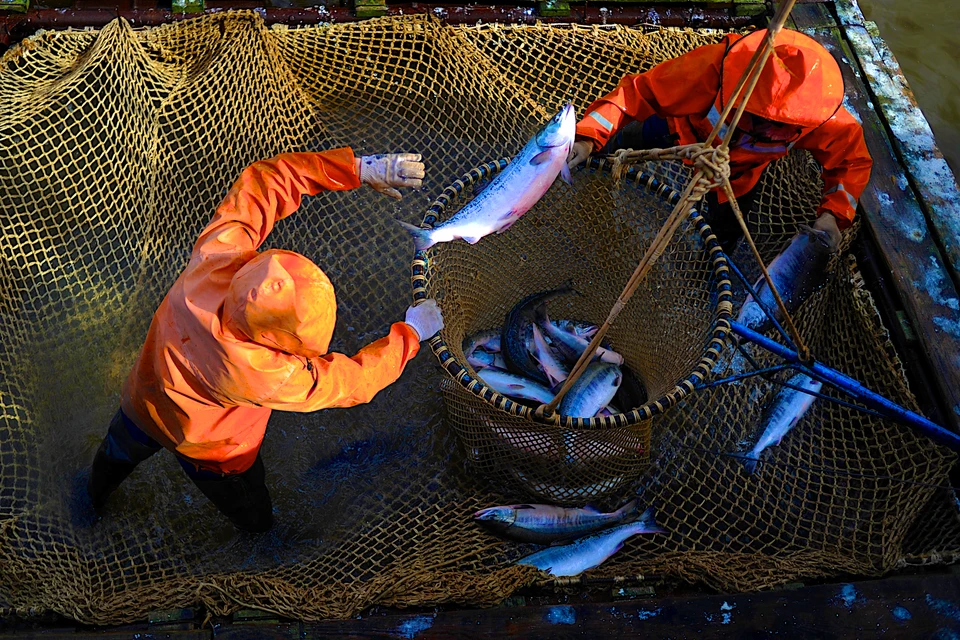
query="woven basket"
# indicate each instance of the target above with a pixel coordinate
(594, 232)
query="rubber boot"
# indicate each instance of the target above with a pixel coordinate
(243, 498)
(123, 448)
(105, 476)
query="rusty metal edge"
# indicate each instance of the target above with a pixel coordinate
(926, 170)
(14, 27)
(913, 139)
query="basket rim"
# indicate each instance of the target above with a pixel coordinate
(723, 308)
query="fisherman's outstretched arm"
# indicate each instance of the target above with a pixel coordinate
(336, 380)
(270, 190)
(839, 147)
(682, 86)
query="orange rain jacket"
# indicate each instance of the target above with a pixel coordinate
(800, 85)
(202, 386)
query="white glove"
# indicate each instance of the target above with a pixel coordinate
(579, 153)
(425, 318)
(828, 223)
(386, 171)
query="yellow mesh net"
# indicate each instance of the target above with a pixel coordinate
(117, 146)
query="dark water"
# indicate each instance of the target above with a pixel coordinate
(925, 38)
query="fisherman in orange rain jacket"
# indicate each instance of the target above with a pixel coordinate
(241, 333)
(797, 103)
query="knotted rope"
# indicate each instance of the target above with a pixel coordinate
(711, 170)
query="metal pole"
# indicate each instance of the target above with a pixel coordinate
(889, 409)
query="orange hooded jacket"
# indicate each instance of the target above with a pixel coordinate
(800, 85)
(241, 333)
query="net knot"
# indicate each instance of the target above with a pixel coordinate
(713, 162)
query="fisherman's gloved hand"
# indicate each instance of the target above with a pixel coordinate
(827, 223)
(579, 153)
(425, 318)
(383, 172)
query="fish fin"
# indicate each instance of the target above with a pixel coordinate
(512, 217)
(591, 508)
(515, 386)
(473, 239)
(523, 506)
(541, 157)
(422, 238)
(750, 464)
(628, 509)
(565, 173)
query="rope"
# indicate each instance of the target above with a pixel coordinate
(711, 170)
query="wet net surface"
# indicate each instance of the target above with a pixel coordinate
(117, 146)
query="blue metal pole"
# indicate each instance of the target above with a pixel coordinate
(891, 410)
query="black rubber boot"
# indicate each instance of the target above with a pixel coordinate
(118, 455)
(243, 498)
(105, 476)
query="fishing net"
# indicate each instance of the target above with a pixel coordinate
(117, 146)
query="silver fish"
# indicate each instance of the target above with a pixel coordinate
(582, 329)
(511, 194)
(486, 340)
(590, 551)
(546, 524)
(543, 354)
(592, 391)
(515, 386)
(481, 359)
(787, 409)
(797, 271)
(570, 345)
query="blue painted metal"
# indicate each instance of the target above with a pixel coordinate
(742, 376)
(845, 383)
(763, 307)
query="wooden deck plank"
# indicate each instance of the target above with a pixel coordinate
(903, 607)
(911, 134)
(893, 215)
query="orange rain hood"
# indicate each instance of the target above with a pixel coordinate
(280, 299)
(801, 83)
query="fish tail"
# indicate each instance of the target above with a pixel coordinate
(422, 238)
(649, 521)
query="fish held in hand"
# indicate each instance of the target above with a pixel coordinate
(546, 524)
(785, 412)
(591, 551)
(514, 191)
(796, 272)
